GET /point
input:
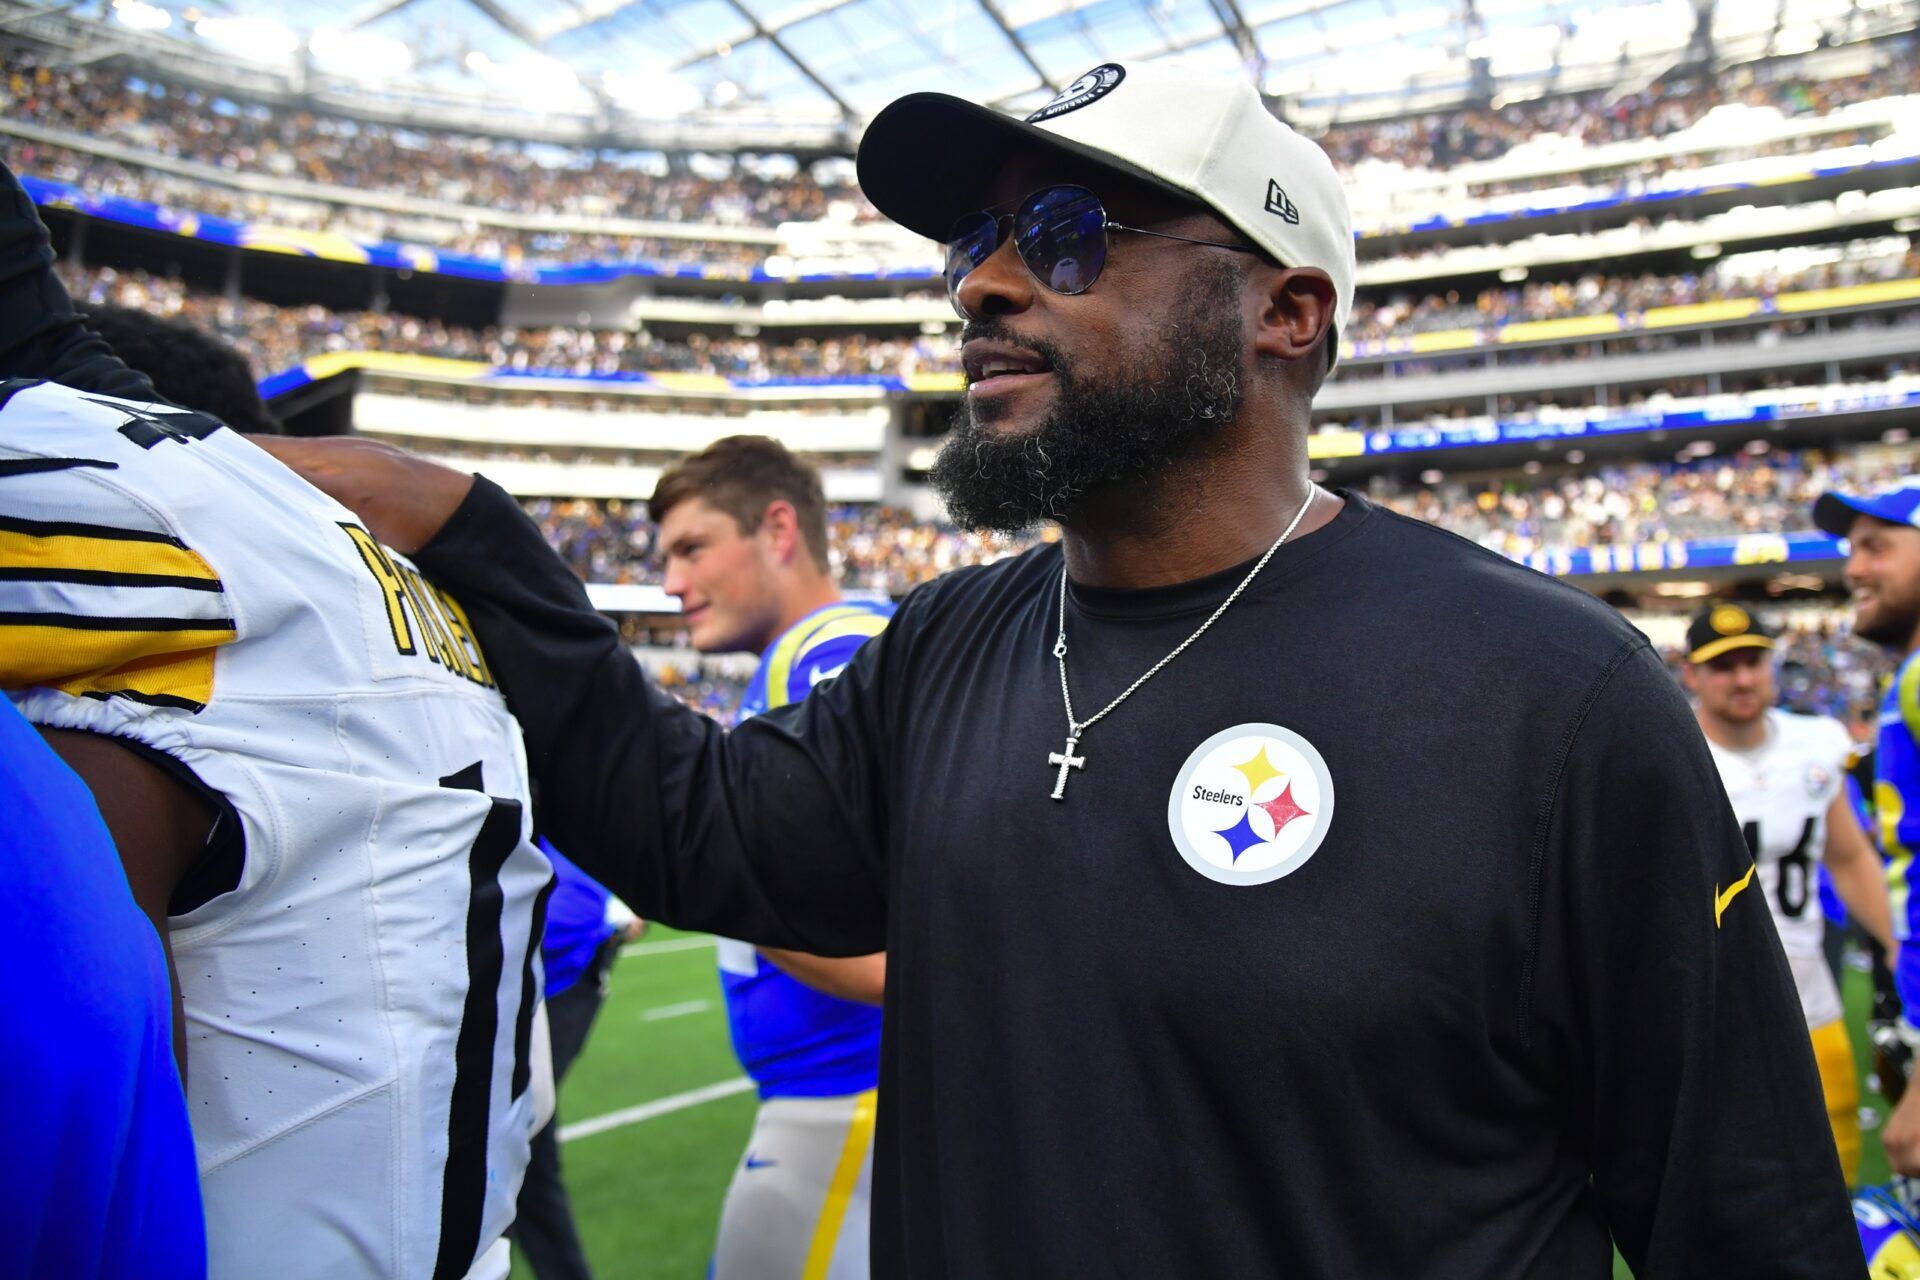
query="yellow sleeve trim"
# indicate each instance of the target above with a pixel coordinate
(792, 645)
(89, 659)
(101, 554)
(165, 679)
(1910, 697)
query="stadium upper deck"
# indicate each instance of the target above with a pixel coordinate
(121, 146)
(1611, 276)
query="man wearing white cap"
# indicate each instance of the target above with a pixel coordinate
(1272, 886)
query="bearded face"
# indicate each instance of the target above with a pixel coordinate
(1113, 420)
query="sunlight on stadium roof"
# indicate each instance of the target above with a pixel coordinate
(839, 61)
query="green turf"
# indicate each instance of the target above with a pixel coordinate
(647, 1195)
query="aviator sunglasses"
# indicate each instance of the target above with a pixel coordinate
(1060, 234)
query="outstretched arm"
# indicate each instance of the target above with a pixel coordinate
(772, 834)
(862, 979)
(1859, 877)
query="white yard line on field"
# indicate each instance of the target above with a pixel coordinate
(662, 948)
(658, 1107)
(680, 1010)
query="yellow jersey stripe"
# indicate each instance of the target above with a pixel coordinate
(104, 552)
(163, 679)
(863, 624)
(788, 651)
(846, 1175)
(39, 652)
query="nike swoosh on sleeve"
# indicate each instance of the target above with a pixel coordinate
(1720, 900)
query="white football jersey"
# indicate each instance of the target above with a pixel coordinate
(1781, 792)
(360, 998)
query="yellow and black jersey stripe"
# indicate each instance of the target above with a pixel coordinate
(104, 612)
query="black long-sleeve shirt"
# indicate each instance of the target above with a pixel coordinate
(1515, 999)
(1511, 1003)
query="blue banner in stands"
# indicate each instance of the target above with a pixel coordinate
(1704, 553)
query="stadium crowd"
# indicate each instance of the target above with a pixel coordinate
(200, 126)
(276, 338)
(885, 549)
(1627, 504)
(1757, 275)
(1444, 139)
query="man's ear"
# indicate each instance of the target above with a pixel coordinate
(780, 526)
(1296, 308)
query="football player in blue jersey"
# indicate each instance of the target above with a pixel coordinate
(1882, 529)
(744, 531)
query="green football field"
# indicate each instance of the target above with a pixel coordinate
(668, 1114)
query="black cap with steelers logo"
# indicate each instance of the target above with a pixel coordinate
(1720, 628)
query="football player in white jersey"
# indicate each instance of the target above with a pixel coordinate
(1786, 777)
(356, 946)
(315, 787)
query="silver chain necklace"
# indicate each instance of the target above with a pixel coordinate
(1077, 729)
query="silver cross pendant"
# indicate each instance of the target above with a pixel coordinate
(1066, 761)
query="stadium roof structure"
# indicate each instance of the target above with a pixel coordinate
(741, 72)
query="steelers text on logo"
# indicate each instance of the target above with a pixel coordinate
(1250, 805)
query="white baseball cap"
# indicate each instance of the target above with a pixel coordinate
(929, 158)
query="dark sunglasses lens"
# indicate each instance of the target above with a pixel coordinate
(971, 242)
(1061, 234)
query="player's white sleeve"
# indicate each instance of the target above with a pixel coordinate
(100, 595)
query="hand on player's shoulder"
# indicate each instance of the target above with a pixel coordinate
(403, 499)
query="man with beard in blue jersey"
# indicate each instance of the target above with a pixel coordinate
(743, 528)
(1883, 572)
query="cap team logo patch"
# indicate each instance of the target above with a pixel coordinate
(1730, 620)
(1250, 805)
(1091, 87)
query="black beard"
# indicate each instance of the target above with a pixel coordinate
(1097, 437)
(1894, 630)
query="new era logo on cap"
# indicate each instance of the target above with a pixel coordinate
(1277, 202)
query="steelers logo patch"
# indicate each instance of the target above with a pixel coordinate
(1089, 88)
(1730, 620)
(1250, 805)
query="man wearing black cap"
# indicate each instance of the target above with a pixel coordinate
(1272, 886)
(1882, 529)
(1785, 775)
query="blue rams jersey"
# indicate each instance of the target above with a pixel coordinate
(793, 1040)
(1896, 808)
(1889, 1236)
(99, 1177)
